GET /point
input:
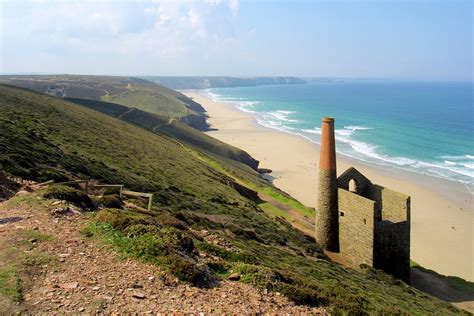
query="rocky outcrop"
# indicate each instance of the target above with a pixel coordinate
(243, 190)
(196, 121)
(8, 187)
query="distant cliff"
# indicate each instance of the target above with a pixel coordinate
(221, 82)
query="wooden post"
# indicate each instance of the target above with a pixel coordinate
(87, 186)
(150, 199)
(147, 195)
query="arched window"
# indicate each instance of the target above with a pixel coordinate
(352, 186)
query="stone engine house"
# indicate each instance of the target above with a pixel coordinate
(364, 222)
(374, 225)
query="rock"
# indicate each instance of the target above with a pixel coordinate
(234, 277)
(56, 202)
(264, 170)
(33, 240)
(81, 309)
(96, 288)
(138, 295)
(137, 286)
(69, 286)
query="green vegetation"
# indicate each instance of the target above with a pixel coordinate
(75, 196)
(193, 191)
(173, 128)
(151, 101)
(455, 282)
(18, 258)
(10, 283)
(144, 238)
(129, 91)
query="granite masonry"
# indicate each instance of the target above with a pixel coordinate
(364, 222)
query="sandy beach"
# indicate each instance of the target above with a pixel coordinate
(442, 215)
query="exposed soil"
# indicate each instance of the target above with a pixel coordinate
(85, 277)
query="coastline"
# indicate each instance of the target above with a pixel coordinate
(442, 219)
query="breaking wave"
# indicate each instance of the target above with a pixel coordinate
(349, 143)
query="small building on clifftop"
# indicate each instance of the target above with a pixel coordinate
(374, 225)
(364, 222)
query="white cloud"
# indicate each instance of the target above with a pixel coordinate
(147, 34)
(234, 6)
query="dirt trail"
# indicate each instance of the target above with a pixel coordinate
(84, 277)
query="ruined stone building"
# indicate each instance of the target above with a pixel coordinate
(364, 222)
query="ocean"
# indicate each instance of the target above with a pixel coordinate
(423, 127)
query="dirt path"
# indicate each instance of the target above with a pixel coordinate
(85, 277)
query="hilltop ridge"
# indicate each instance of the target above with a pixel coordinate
(206, 82)
(128, 91)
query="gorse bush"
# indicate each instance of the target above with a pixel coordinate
(138, 236)
(74, 196)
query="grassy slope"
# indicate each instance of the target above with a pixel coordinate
(172, 128)
(127, 91)
(151, 98)
(43, 138)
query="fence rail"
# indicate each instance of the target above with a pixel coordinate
(120, 186)
(141, 194)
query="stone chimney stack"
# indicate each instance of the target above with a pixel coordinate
(327, 226)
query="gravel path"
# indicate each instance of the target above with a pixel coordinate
(89, 278)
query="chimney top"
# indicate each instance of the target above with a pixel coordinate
(328, 119)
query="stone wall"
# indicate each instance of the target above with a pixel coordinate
(392, 249)
(362, 183)
(374, 225)
(356, 228)
(394, 205)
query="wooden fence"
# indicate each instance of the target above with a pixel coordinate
(122, 192)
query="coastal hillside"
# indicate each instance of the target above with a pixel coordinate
(212, 220)
(220, 82)
(170, 127)
(128, 91)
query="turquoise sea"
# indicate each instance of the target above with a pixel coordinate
(423, 127)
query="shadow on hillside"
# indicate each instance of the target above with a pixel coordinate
(447, 288)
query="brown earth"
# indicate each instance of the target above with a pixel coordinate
(85, 277)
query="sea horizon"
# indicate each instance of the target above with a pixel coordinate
(417, 126)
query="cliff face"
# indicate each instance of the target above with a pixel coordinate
(221, 82)
(196, 121)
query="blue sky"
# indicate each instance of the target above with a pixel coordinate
(384, 39)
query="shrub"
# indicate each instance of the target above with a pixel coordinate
(187, 270)
(74, 196)
(112, 201)
(168, 220)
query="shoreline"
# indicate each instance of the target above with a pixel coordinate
(441, 217)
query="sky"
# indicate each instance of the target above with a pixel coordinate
(430, 40)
